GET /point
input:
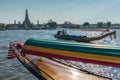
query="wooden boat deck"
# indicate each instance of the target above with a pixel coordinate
(47, 69)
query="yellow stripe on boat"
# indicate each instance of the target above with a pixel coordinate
(106, 55)
(73, 54)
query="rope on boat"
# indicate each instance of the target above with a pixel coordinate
(11, 54)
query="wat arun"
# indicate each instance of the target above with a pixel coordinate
(26, 22)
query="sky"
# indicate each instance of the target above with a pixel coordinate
(75, 11)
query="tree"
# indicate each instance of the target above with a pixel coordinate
(86, 24)
(108, 24)
(52, 24)
(31, 25)
(2, 26)
(101, 25)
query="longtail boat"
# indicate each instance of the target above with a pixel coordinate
(38, 57)
(83, 38)
(98, 30)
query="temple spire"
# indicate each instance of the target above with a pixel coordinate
(26, 22)
(26, 14)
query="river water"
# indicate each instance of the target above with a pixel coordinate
(14, 70)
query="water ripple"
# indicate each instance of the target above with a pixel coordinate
(14, 70)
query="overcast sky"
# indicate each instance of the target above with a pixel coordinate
(76, 11)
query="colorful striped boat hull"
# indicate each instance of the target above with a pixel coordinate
(83, 52)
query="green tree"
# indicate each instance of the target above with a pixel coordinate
(86, 24)
(31, 25)
(52, 24)
(101, 25)
(2, 26)
(108, 24)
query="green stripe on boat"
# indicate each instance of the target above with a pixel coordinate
(97, 49)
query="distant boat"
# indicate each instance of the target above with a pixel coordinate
(62, 35)
(100, 30)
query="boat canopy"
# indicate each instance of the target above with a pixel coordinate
(83, 52)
